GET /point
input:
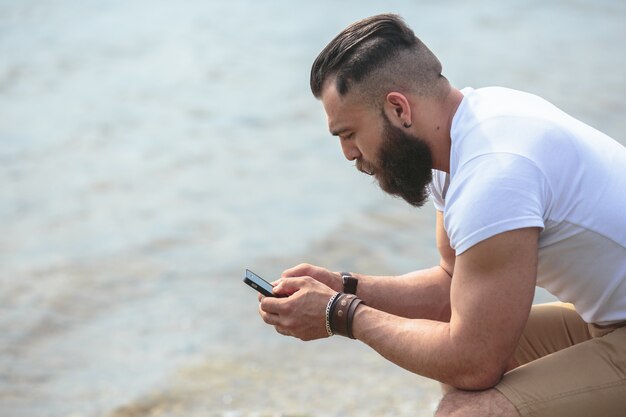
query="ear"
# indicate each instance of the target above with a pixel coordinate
(398, 109)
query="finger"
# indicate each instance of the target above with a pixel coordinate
(298, 270)
(272, 305)
(269, 318)
(288, 286)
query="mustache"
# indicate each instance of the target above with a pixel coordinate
(364, 167)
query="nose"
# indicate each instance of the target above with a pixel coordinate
(350, 151)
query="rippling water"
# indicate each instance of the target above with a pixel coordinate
(151, 151)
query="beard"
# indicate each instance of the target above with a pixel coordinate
(404, 165)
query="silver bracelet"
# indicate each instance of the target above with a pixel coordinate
(328, 306)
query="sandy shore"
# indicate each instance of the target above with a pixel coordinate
(294, 380)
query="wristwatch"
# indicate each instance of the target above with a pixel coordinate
(349, 283)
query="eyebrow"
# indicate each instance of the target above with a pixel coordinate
(339, 131)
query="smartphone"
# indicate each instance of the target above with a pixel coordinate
(258, 284)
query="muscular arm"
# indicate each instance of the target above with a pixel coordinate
(491, 295)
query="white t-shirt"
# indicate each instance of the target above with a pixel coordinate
(517, 161)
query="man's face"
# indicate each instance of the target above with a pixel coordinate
(399, 161)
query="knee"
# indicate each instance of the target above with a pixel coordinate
(452, 403)
(479, 404)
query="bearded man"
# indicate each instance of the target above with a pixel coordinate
(525, 195)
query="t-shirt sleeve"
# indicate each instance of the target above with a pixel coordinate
(492, 194)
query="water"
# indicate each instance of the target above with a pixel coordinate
(152, 151)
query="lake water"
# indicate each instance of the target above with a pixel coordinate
(152, 150)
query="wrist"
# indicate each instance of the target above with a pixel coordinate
(360, 314)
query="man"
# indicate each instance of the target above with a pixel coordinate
(525, 195)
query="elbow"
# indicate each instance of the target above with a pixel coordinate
(479, 378)
(479, 366)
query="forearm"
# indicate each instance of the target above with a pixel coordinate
(420, 294)
(427, 348)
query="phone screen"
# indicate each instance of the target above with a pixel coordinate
(258, 283)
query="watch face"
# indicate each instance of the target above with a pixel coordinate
(349, 283)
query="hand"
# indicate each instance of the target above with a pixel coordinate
(323, 275)
(303, 313)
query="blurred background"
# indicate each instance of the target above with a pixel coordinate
(150, 151)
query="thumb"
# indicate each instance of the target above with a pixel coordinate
(288, 286)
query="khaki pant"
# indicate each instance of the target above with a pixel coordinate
(568, 367)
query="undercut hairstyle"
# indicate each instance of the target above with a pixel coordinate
(375, 56)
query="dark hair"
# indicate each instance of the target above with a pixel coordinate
(366, 46)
